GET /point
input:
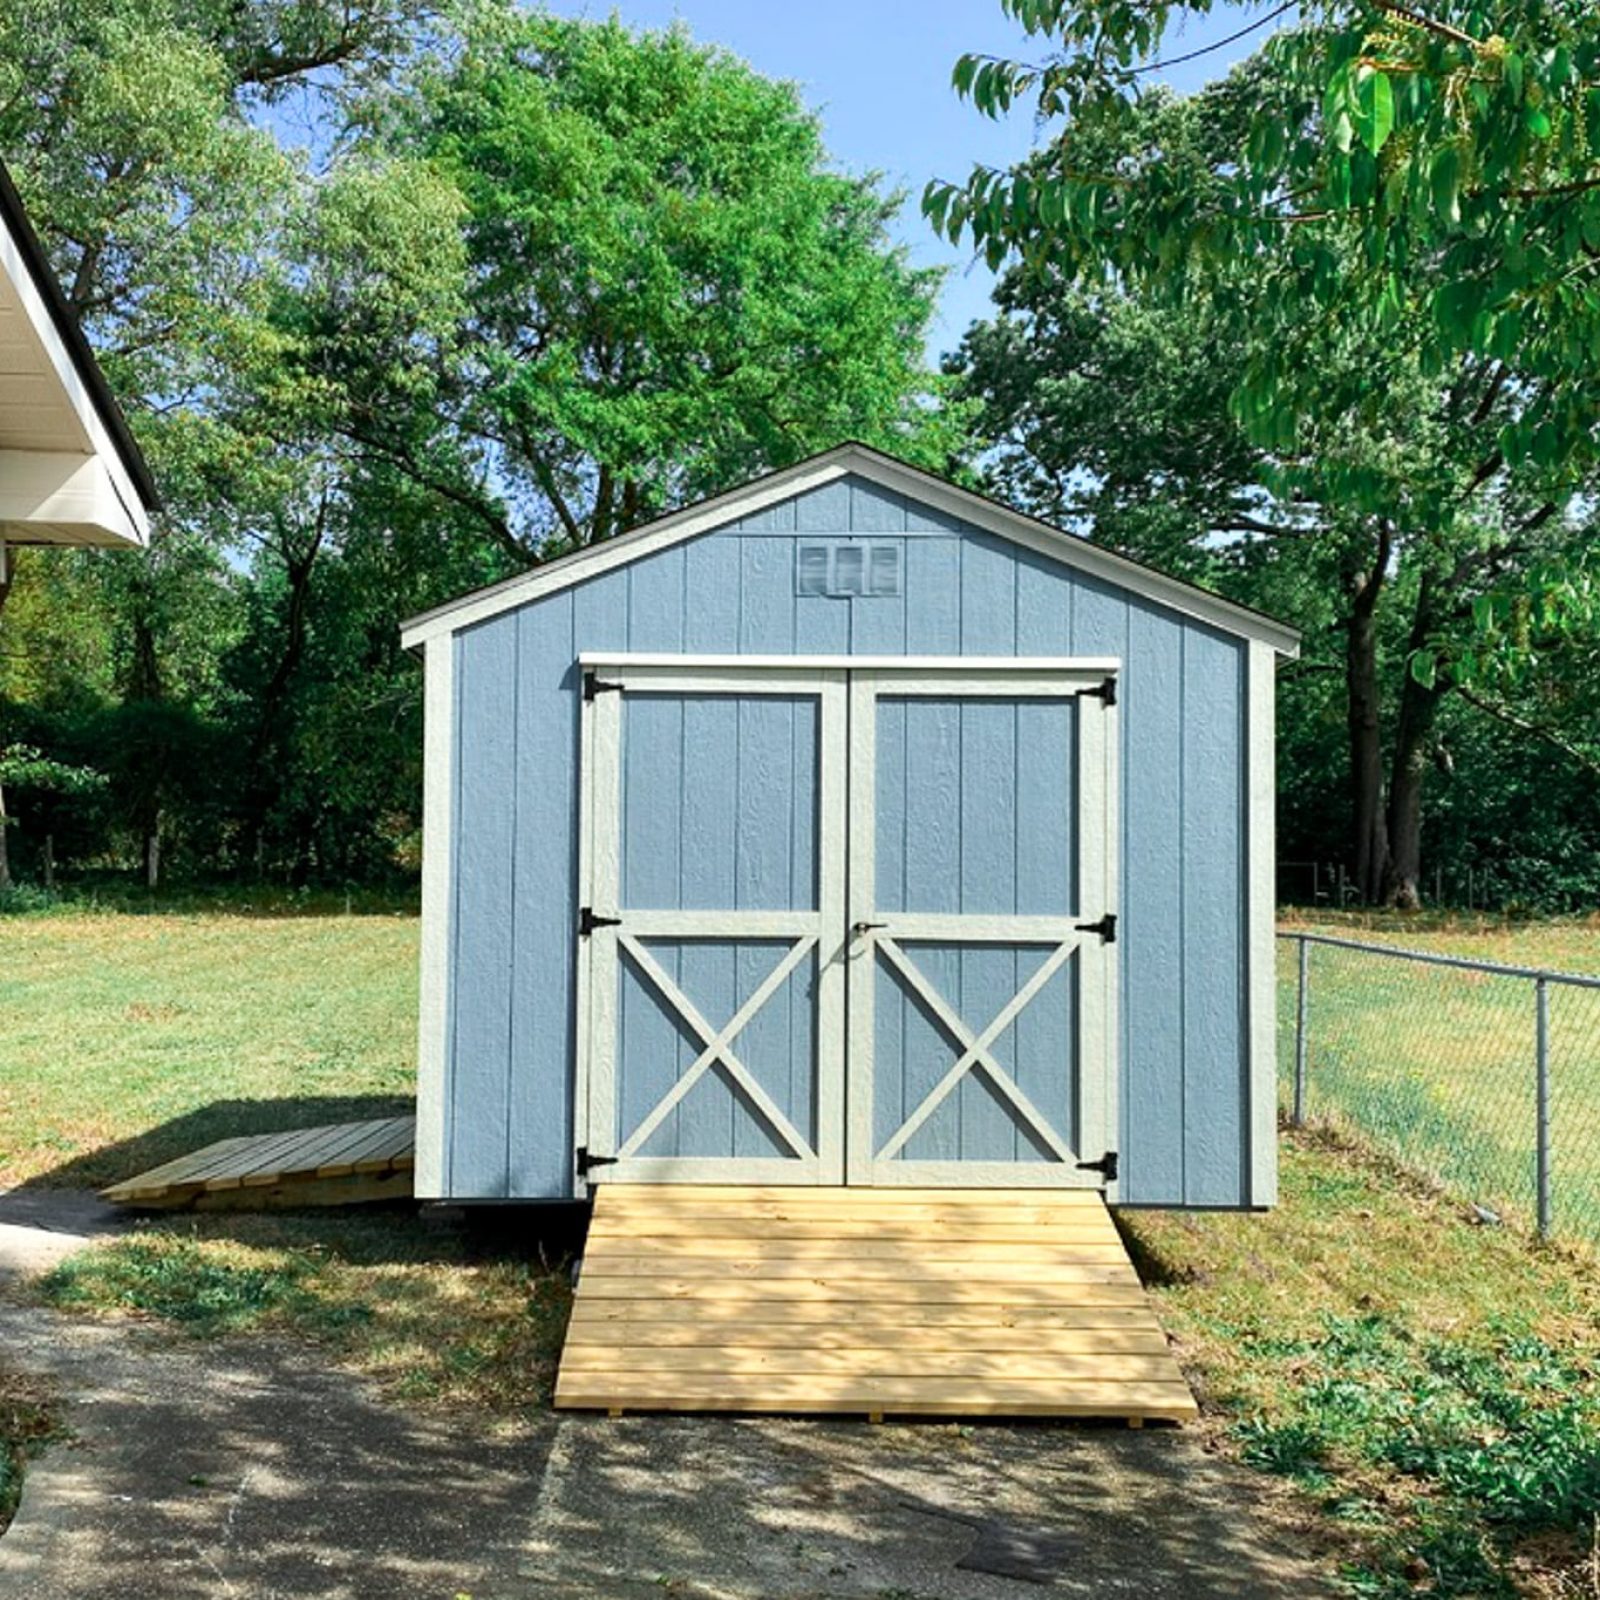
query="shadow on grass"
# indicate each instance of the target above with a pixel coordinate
(120, 898)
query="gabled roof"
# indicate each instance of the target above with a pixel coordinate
(70, 469)
(888, 473)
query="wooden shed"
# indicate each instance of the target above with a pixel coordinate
(848, 829)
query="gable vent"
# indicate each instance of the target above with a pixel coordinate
(811, 569)
(846, 571)
(883, 570)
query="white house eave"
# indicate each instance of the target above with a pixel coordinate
(63, 477)
(886, 472)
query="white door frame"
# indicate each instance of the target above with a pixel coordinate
(847, 688)
(818, 933)
(874, 931)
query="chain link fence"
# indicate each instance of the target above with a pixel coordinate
(1486, 1077)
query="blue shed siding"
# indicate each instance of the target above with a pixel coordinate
(510, 1002)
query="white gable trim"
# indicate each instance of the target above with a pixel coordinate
(887, 473)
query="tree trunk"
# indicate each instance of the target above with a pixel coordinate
(5, 853)
(1413, 740)
(152, 856)
(50, 861)
(1369, 839)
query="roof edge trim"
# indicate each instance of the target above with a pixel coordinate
(65, 327)
(887, 472)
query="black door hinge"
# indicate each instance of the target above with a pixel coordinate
(588, 922)
(587, 1163)
(1105, 690)
(1106, 927)
(593, 684)
(1106, 1166)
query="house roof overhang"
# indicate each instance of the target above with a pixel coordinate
(70, 470)
(889, 473)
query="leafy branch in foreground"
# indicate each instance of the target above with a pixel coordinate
(1441, 158)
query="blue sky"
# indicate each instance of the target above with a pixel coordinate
(878, 73)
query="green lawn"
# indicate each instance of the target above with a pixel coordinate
(1427, 1387)
(1425, 1391)
(126, 1040)
(1437, 1064)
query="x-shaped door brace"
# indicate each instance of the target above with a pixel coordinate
(976, 1049)
(718, 1044)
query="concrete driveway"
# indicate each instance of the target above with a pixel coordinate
(247, 1469)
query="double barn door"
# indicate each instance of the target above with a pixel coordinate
(847, 922)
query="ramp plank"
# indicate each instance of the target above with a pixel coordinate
(346, 1163)
(868, 1302)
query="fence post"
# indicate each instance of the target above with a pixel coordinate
(1542, 1103)
(1303, 1003)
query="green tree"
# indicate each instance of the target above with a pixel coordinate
(1418, 461)
(27, 768)
(1436, 164)
(1113, 415)
(670, 288)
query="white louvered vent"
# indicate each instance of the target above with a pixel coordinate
(883, 570)
(847, 571)
(811, 569)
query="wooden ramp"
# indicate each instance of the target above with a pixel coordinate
(867, 1301)
(350, 1163)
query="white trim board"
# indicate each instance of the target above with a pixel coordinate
(1261, 798)
(433, 1020)
(623, 661)
(888, 473)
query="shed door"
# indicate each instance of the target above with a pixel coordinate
(847, 919)
(981, 991)
(713, 1002)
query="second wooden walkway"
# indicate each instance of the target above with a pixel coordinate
(871, 1302)
(345, 1164)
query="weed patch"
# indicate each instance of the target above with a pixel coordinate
(1429, 1388)
(27, 1424)
(427, 1316)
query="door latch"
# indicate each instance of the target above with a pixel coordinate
(1106, 927)
(862, 929)
(588, 922)
(1106, 1166)
(587, 1163)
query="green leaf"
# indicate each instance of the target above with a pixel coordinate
(1445, 181)
(1374, 108)
(1425, 668)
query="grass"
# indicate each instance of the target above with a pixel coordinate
(1427, 1387)
(433, 1315)
(1563, 944)
(1425, 1391)
(1436, 1064)
(130, 1039)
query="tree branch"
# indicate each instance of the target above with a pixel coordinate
(1430, 24)
(1512, 719)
